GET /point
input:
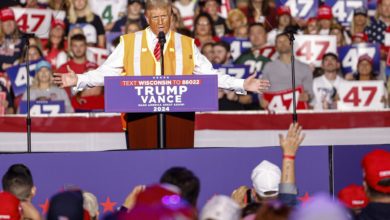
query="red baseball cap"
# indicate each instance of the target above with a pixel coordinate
(57, 22)
(7, 14)
(284, 10)
(353, 196)
(325, 12)
(376, 167)
(9, 206)
(365, 57)
(361, 35)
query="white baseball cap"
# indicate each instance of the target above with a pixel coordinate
(221, 207)
(266, 179)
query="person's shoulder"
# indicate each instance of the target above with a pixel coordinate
(63, 67)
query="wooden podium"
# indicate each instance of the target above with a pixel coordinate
(147, 99)
(142, 131)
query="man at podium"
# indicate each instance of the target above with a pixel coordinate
(139, 54)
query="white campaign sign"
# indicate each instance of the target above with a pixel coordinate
(35, 21)
(361, 95)
(109, 10)
(97, 55)
(309, 49)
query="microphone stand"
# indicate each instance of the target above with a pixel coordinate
(161, 116)
(290, 33)
(28, 119)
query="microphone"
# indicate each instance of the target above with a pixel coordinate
(161, 37)
(27, 35)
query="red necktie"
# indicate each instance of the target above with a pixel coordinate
(157, 52)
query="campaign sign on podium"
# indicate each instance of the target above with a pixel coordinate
(161, 93)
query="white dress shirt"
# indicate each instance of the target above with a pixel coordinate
(113, 66)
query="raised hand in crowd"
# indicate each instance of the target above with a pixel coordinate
(132, 197)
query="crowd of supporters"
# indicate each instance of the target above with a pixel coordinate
(231, 34)
(272, 195)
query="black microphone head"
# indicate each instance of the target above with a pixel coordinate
(161, 37)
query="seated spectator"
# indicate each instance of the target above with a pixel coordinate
(220, 207)
(90, 99)
(325, 19)
(278, 72)
(235, 19)
(376, 182)
(11, 42)
(338, 31)
(43, 89)
(212, 7)
(360, 21)
(325, 87)
(354, 198)
(55, 51)
(8, 102)
(134, 14)
(312, 27)
(132, 27)
(34, 54)
(365, 70)
(80, 13)
(207, 51)
(284, 19)
(204, 31)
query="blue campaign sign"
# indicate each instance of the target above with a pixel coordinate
(237, 45)
(18, 76)
(343, 9)
(300, 8)
(161, 93)
(43, 107)
(349, 56)
(239, 71)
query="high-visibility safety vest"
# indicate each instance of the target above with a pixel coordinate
(138, 60)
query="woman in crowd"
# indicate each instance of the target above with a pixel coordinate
(80, 13)
(55, 51)
(204, 31)
(42, 88)
(11, 42)
(235, 20)
(262, 11)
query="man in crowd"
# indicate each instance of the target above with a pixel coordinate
(325, 87)
(278, 72)
(90, 99)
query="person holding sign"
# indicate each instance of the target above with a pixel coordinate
(43, 89)
(325, 87)
(136, 56)
(278, 72)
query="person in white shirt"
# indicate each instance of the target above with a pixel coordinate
(325, 86)
(158, 14)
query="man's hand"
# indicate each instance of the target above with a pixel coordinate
(251, 84)
(65, 80)
(291, 142)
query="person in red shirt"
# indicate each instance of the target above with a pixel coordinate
(55, 48)
(91, 99)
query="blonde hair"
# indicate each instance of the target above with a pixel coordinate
(72, 16)
(151, 4)
(35, 81)
(236, 12)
